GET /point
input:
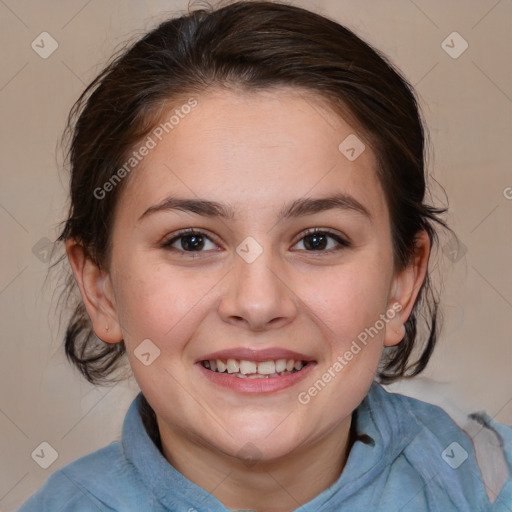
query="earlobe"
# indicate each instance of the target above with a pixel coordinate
(395, 327)
(96, 290)
(405, 288)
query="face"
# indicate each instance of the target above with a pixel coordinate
(282, 282)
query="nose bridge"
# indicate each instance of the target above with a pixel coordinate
(257, 294)
(255, 276)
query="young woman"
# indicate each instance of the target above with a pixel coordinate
(249, 227)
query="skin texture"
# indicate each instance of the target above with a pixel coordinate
(255, 152)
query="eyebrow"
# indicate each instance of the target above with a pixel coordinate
(297, 208)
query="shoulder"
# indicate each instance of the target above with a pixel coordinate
(474, 459)
(87, 484)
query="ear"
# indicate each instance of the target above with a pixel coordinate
(405, 287)
(97, 293)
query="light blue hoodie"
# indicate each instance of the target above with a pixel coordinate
(416, 459)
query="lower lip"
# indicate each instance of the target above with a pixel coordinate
(260, 385)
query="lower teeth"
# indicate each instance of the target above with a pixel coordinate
(259, 375)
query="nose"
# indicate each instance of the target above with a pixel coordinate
(258, 295)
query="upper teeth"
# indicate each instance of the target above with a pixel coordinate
(246, 367)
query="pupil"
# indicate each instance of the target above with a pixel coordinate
(318, 241)
(192, 242)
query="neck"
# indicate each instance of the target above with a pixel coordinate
(280, 485)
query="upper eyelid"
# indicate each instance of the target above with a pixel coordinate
(307, 232)
(187, 232)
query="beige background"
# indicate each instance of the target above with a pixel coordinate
(467, 103)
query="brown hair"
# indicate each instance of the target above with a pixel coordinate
(250, 45)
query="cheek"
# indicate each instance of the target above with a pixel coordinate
(346, 300)
(160, 304)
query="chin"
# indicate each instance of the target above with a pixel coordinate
(267, 443)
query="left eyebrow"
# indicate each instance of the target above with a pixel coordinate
(310, 206)
(297, 208)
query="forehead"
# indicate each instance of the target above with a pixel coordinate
(256, 150)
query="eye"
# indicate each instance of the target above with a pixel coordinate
(194, 241)
(189, 240)
(317, 240)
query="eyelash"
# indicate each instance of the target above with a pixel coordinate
(343, 243)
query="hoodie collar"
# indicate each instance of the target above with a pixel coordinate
(382, 430)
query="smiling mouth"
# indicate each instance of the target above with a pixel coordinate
(245, 369)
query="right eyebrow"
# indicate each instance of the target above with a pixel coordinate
(198, 206)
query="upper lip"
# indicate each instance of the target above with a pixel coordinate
(258, 355)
